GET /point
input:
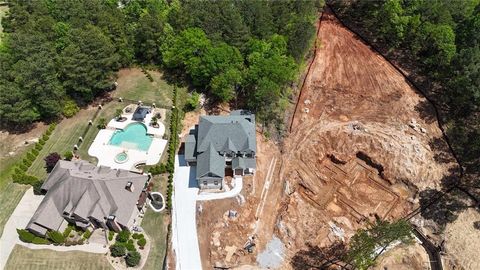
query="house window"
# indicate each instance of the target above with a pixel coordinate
(215, 183)
(204, 183)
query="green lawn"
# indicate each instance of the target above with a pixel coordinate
(155, 227)
(23, 258)
(62, 139)
(10, 193)
(157, 91)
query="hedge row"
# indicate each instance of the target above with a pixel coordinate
(28, 237)
(149, 76)
(20, 175)
(172, 147)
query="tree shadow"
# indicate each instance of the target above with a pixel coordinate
(323, 258)
(426, 111)
(443, 206)
(441, 151)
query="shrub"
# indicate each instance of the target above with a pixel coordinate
(27, 162)
(102, 123)
(20, 169)
(67, 231)
(87, 234)
(38, 146)
(130, 246)
(123, 236)
(192, 102)
(41, 142)
(158, 169)
(51, 160)
(40, 241)
(68, 155)
(133, 258)
(110, 235)
(30, 156)
(70, 108)
(56, 237)
(35, 152)
(142, 242)
(45, 137)
(137, 236)
(117, 250)
(25, 236)
(37, 187)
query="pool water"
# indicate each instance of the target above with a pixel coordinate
(134, 136)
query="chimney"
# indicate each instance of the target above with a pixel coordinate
(129, 186)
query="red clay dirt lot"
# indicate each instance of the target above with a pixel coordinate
(360, 146)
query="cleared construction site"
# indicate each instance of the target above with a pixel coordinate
(360, 147)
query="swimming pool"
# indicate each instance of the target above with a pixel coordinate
(133, 136)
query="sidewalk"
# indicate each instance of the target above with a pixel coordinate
(18, 220)
(223, 195)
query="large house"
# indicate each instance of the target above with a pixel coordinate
(83, 194)
(220, 142)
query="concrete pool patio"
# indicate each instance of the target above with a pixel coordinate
(106, 153)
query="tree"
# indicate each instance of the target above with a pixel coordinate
(224, 85)
(364, 243)
(87, 65)
(192, 102)
(51, 160)
(133, 258)
(123, 236)
(118, 250)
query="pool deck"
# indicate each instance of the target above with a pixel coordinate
(105, 153)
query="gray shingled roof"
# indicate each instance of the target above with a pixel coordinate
(210, 162)
(78, 187)
(243, 163)
(190, 147)
(232, 132)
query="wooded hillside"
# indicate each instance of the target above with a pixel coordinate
(56, 52)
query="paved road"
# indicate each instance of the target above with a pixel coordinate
(184, 227)
(19, 219)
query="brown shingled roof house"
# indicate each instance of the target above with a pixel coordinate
(83, 194)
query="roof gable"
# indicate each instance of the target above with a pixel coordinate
(233, 132)
(210, 162)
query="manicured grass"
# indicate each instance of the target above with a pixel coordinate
(10, 193)
(10, 196)
(134, 85)
(154, 225)
(23, 258)
(107, 112)
(62, 139)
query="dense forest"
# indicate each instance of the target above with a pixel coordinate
(439, 40)
(57, 54)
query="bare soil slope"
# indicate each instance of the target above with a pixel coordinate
(363, 142)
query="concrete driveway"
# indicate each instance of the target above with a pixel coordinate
(19, 219)
(184, 226)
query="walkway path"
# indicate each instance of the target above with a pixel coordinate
(223, 195)
(90, 247)
(19, 219)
